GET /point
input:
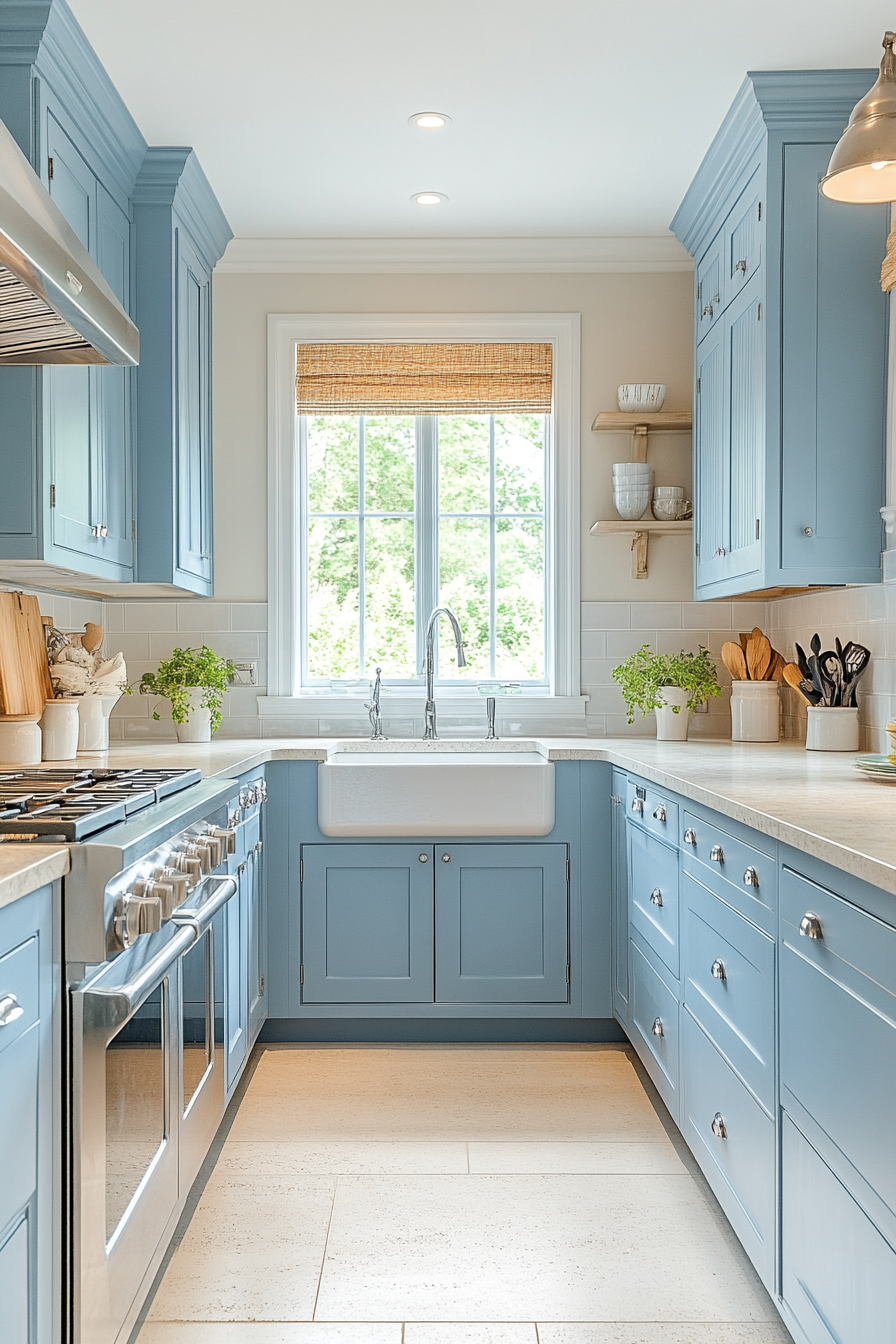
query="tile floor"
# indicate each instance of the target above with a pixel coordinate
(449, 1195)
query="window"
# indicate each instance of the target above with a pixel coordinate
(405, 513)
(372, 523)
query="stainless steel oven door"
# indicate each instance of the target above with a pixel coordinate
(125, 1024)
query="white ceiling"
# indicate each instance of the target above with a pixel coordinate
(571, 118)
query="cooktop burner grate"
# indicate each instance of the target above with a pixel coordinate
(62, 804)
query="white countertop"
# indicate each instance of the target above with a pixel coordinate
(815, 801)
(24, 868)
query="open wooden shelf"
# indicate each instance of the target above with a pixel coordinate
(654, 420)
(641, 530)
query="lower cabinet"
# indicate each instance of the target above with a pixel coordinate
(245, 935)
(654, 1016)
(448, 923)
(619, 913)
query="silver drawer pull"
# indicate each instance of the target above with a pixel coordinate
(659, 813)
(716, 854)
(657, 1029)
(741, 268)
(638, 806)
(656, 897)
(810, 926)
(10, 1009)
(717, 970)
(719, 1128)
(751, 877)
(690, 836)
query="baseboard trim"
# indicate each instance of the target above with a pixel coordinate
(455, 1030)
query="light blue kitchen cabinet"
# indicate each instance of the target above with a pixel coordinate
(29, 1246)
(655, 1029)
(620, 914)
(501, 923)
(180, 233)
(653, 894)
(258, 931)
(236, 978)
(791, 346)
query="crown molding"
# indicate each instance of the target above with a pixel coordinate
(278, 256)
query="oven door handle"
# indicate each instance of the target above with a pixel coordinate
(202, 915)
(110, 1006)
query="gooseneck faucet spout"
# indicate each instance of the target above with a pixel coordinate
(429, 731)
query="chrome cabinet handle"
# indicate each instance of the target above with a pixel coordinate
(446, 858)
(10, 1009)
(424, 858)
(659, 813)
(656, 896)
(716, 854)
(707, 311)
(810, 926)
(741, 267)
(657, 1029)
(638, 806)
(717, 970)
(751, 877)
(690, 836)
(719, 1128)
(808, 531)
(720, 550)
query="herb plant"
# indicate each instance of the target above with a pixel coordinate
(644, 674)
(181, 673)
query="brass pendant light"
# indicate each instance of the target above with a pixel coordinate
(863, 165)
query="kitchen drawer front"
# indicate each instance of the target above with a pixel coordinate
(743, 876)
(655, 1013)
(652, 810)
(739, 1160)
(653, 888)
(20, 978)
(838, 1272)
(838, 1026)
(19, 1071)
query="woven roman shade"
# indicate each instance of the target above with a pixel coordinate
(472, 378)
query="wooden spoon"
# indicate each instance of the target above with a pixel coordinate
(759, 655)
(794, 677)
(92, 637)
(733, 658)
(776, 667)
(744, 637)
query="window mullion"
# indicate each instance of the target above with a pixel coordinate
(491, 546)
(361, 567)
(427, 504)
(303, 502)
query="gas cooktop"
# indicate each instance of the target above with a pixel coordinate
(69, 805)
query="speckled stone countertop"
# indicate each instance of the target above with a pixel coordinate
(24, 868)
(815, 801)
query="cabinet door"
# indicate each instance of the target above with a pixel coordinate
(236, 981)
(502, 913)
(745, 353)
(16, 1286)
(194, 468)
(711, 459)
(709, 287)
(743, 238)
(367, 924)
(113, 395)
(258, 1004)
(619, 862)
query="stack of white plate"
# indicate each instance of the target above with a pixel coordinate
(631, 488)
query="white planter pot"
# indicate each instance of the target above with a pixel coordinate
(93, 726)
(832, 729)
(672, 726)
(60, 725)
(19, 742)
(198, 727)
(755, 711)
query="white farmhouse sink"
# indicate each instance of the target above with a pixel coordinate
(433, 788)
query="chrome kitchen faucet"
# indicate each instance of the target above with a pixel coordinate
(429, 731)
(373, 710)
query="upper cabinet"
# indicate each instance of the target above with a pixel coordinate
(791, 346)
(180, 234)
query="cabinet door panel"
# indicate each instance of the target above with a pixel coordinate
(236, 981)
(743, 239)
(19, 1072)
(745, 349)
(653, 894)
(709, 287)
(619, 862)
(193, 323)
(73, 184)
(501, 924)
(17, 1285)
(113, 393)
(367, 924)
(711, 460)
(655, 1015)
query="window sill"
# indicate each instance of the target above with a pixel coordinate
(465, 703)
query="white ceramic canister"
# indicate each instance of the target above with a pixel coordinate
(93, 728)
(672, 727)
(755, 711)
(830, 729)
(198, 727)
(19, 742)
(59, 725)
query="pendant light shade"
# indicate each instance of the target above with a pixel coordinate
(863, 165)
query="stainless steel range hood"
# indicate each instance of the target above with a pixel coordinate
(55, 306)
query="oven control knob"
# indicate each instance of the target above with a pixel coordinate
(233, 818)
(157, 886)
(188, 864)
(136, 915)
(227, 836)
(261, 791)
(178, 882)
(216, 848)
(246, 798)
(207, 851)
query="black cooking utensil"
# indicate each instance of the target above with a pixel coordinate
(831, 665)
(802, 662)
(855, 660)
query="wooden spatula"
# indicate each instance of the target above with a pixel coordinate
(734, 660)
(776, 667)
(794, 677)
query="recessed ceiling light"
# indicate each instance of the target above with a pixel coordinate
(430, 121)
(429, 198)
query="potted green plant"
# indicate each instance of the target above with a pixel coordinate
(194, 681)
(671, 683)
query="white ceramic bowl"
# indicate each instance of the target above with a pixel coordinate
(631, 483)
(668, 492)
(669, 510)
(630, 504)
(632, 469)
(641, 396)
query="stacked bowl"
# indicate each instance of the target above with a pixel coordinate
(631, 488)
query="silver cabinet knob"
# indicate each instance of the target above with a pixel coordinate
(690, 836)
(720, 550)
(638, 806)
(424, 858)
(446, 858)
(719, 1128)
(717, 854)
(10, 1009)
(240, 868)
(657, 1029)
(717, 970)
(751, 877)
(810, 926)
(656, 896)
(741, 268)
(707, 311)
(659, 812)
(808, 531)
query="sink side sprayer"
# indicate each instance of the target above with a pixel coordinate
(429, 731)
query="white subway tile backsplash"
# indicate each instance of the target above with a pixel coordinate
(150, 616)
(594, 644)
(203, 615)
(656, 615)
(622, 643)
(606, 616)
(703, 615)
(249, 616)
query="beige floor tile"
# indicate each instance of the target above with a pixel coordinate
(688, 1332)
(443, 1095)
(363, 1159)
(556, 1158)
(515, 1332)
(248, 1332)
(253, 1251)
(498, 1248)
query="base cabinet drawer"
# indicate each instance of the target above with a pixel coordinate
(743, 876)
(653, 884)
(734, 1141)
(839, 1272)
(655, 1014)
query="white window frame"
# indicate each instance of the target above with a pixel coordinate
(288, 330)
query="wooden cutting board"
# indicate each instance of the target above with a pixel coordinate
(25, 683)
